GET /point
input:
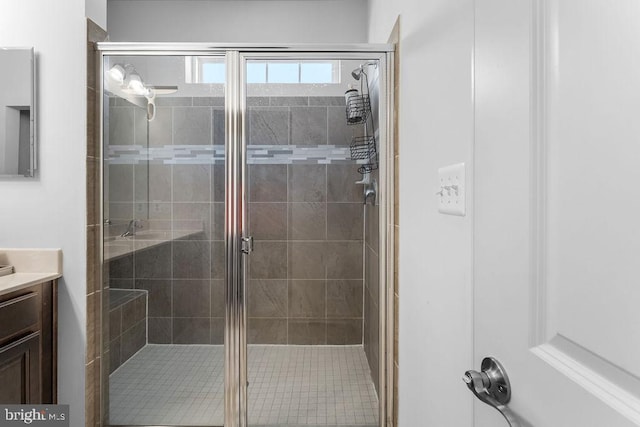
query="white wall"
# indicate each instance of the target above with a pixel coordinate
(235, 21)
(436, 129)
(96, 10)
(49, 211)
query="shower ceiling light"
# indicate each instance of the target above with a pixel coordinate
(117, 73)
(128, 80)
(135, 84)
(124, 80)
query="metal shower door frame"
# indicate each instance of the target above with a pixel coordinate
(383, 54)
(236, 226)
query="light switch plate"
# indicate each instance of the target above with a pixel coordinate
(451, 182)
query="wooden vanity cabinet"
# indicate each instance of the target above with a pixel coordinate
(28, 345)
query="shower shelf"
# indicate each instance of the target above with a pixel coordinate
(363, 148)
(358, 109)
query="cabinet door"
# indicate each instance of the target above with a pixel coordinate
(20, 371)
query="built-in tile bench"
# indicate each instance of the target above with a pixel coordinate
(127, 324)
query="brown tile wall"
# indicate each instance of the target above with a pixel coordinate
(184, 276)
(127, 325)
(185, 289)
(95, 362)
(305, 276)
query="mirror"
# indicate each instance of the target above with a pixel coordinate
(17, 112)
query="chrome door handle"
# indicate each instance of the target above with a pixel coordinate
(492, 387)
(247, 245)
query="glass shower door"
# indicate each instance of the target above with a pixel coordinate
(305, 289)
(201, 152)
(164, 210)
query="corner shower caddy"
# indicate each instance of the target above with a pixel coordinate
(358, 112)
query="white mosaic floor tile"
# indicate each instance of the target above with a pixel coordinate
(288, 386)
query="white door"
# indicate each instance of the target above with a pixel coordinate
(557, 208)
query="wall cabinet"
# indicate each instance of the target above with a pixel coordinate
(28, 345)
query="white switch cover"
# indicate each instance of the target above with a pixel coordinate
(451, 190)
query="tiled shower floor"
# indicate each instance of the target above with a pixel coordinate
(288, 386)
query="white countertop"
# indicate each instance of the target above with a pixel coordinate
(31, 266)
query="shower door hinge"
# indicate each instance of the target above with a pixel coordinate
(247, 245)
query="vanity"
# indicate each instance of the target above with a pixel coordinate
(28, 326)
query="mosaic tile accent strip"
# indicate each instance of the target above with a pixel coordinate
(288, 386)
(215, 154)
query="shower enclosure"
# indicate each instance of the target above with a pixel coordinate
(245, 238)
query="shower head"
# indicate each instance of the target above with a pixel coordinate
(357, 73)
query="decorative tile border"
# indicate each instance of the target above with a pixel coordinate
(215, 154)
